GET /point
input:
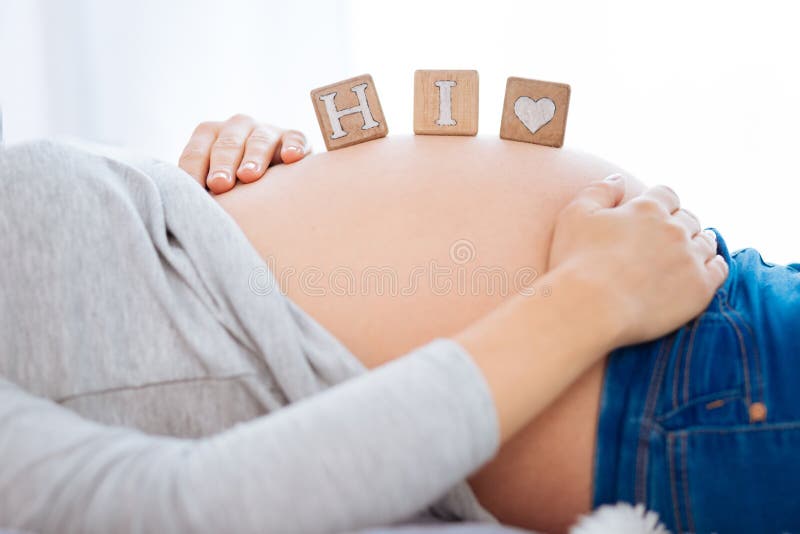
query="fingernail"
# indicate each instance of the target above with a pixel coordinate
(711, 234)
(295, 148)
(250, 166)
(613, 177)
(219, 178)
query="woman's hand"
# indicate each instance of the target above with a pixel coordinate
(620, 274)
(658, 267)
(220, 152)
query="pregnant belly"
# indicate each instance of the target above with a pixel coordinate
(394, 242)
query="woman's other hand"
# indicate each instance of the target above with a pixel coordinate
(220, 152)
(620, 274)
(658, 267)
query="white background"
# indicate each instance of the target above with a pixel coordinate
(703, 96)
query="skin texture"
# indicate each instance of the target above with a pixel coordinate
(479, 213)
(405, 202)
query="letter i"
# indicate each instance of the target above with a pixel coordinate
(445, 103)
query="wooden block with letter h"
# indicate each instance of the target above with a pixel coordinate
(446, 102)
(349, 112)
(535, 112)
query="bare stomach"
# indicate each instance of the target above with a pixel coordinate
(394, 242)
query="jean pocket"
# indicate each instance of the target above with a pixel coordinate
(710, 377)
(737, 479)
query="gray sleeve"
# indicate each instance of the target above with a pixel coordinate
(370, 451)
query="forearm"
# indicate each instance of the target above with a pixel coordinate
(373, 450)
(534, 346)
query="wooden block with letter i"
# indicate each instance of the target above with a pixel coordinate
(446, 102)
(535, 112)
(349, 112)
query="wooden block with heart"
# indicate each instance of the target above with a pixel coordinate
(535, 112)
(349, 112)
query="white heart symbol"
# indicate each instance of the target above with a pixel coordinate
(534, 113)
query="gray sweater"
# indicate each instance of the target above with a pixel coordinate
(153, 378)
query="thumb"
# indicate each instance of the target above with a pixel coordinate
(606, 193)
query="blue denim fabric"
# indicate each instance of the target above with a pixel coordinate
(703, 425)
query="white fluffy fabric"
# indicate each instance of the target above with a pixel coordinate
(621, 518)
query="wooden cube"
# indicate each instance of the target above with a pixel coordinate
(535, 112)
(446, 102)
(349, 112)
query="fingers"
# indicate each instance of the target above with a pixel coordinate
(220, 152)
(260, 148)
(705, 242)
(663, 196)
(293, 146)
(689, 221)
(194, 158)
(607, 193)
(227, 152)
(717, 270)
(266, 146)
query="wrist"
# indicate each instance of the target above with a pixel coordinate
(586, 302)
(533, 347)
